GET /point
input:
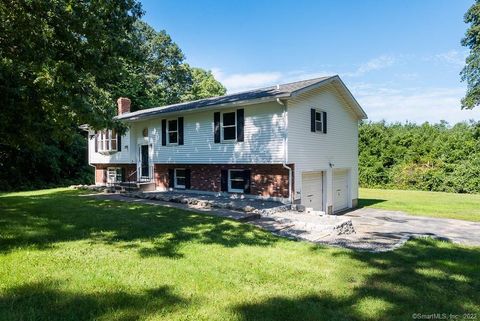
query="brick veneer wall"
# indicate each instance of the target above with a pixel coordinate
(266, 180)
(101, 171)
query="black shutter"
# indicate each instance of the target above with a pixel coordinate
(180, 130)
(246, 178)
(119, 142)
(240, 124)
(224, 180)
(187, 178)
(123, 174)
(312, 119)
(96, 141)
(216, 127)
(324, 122)
(164, 132)
(171, 177)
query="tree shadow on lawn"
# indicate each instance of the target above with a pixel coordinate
(424, 276)
(44, 301)
(42, 221)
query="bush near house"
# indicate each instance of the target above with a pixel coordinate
(430, 157)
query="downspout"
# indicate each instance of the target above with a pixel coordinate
(285, 152)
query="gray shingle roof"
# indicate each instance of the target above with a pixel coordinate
(268, 93)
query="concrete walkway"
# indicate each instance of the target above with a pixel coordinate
(383, 230)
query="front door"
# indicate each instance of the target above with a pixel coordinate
(144, 170)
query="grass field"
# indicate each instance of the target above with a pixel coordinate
(433, 204)
(67, 256)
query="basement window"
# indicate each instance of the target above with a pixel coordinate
(236, 181)
(114, 174)
(180, 178)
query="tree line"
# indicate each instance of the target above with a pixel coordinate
(64, 63)
(431, 157)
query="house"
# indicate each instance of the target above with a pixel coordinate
(296, 142)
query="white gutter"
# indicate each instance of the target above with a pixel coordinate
(285, 149)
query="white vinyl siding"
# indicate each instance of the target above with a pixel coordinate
(263, 138)
(338, 149)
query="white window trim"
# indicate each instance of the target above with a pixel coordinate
(222, 127)
(234, 190)
(168, 131)
(175, 185)
(317, 111)
(116, 174)
(102, 140)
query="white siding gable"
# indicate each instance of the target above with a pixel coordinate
(314, 151)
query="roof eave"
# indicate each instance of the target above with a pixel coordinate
(141, 117)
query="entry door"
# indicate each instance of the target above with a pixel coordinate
(340, 190)
(145, 168)
(312, 190)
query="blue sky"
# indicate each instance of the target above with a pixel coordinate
(401, 59)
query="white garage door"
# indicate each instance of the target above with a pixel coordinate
(312, 190)
(340, 190)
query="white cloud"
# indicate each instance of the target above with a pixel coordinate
(377, 63)
(386, 101)
(452, 57)
(241, 82)
(245, 81)
(413, 104)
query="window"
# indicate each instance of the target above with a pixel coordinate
(229, 126)
(172, 131)
(114, 174)
(107, 140)
(236, 181)
(180, 178)
(318, 121)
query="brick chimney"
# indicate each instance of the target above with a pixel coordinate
(123, 105)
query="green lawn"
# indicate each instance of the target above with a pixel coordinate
(67, 256)
(434, 204)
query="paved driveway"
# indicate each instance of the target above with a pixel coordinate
(380, 230)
